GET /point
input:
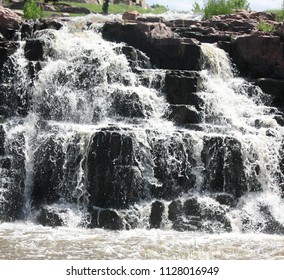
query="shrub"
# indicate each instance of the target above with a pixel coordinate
(240, 4)
(217, 7)
(223, 7)
(196, 8)
(32, 10)
(265, 26)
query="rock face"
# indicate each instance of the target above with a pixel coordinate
(224, 168)
(192, 215)
(175, 176)
(259, 56)
(112, 174)
(158, 42)
(48, 172)
(12, 178)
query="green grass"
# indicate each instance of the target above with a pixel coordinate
(117, 9)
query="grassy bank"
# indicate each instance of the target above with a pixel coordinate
(118, 8)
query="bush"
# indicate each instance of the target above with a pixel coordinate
(266, 27)
(32, 10)
(223, 7)
(240, 4)
(196, 8)
(217, 7)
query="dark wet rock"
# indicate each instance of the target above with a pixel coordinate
(224, 167)
(14, 92)
(50, 217)
(151, 19)
(48, 172)
(2, 141)
(266, 224)
(273, 87)
(34, 50)
(136, 58)
(7, 48)
(180, 87)
(226, 199)
(184, 114)
(156, 215)
(173, 162)
(280, 30)
(191, 207)
(259, 56)
(113, 179)
(12, 180)
(106, 219)
(26, 30)
(45, 23)
(128, 105)
(193, 215)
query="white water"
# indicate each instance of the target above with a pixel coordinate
(83, 74)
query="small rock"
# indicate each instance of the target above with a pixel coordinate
(131, 15)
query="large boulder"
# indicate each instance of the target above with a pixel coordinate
(173, 163)
(7, 48)
(180, 87)
(158, 42)
(34, 50)
(259, 56)
(49, 216)
(112, 174)
(130, 15)
(224, 169)
(48, 172)
(184, 114)
(9, 19)
(195, 215)
(106, 219)
(273, 87)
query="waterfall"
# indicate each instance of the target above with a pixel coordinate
(89, 142)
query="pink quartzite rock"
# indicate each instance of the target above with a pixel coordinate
(131, 15)
(8, 18)
(161, 31)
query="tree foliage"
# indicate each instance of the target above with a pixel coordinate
(223, 7)
(32, 10)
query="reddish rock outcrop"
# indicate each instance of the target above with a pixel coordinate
(9, 19)
(259, 56)
(130, 15)
(158, 42)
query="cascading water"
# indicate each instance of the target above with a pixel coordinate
(88, 147)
